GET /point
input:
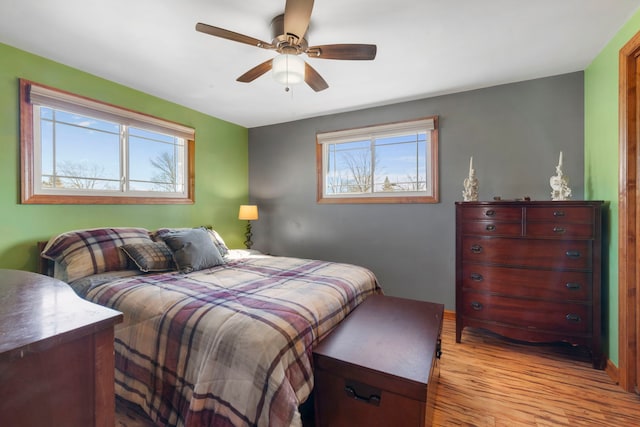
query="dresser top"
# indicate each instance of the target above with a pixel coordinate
(549, 203)
(37, 312)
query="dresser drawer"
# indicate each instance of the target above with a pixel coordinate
(559, 230)
(560, 214)
(496, 213)
(492, 228)
(537, 284)
(543, 316)
(535, 253)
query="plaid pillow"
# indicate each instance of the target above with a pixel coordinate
(82, 253)
(150, 256)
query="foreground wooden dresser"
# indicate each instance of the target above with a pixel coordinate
(380, 366)
(56, 355)
(531, 271)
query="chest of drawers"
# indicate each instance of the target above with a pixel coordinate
(531, 271)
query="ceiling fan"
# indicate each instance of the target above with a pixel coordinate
(288, 31)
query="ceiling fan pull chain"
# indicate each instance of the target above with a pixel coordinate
(286, 88)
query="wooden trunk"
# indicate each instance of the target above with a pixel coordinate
(380, 366)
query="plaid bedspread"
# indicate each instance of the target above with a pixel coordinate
(231, 345)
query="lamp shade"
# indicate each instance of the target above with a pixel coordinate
(288, 69)
(248, 212)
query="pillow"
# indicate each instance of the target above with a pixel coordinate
(192, 249)
(215, 237)
(217, 240)
(82, 253)
(150, 256)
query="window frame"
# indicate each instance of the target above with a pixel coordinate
(28, 194)
(361, 133)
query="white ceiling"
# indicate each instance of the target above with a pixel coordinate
(425, 47)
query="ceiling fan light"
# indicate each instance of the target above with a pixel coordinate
(288, 69)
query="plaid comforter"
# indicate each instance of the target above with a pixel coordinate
(231, 345)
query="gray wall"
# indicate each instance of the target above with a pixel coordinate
(514, 133)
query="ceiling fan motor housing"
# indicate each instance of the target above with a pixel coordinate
(291, 44)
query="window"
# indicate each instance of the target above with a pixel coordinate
(77, 150)
(390, 163)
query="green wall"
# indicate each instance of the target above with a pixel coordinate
(221, 166)
(601, 160)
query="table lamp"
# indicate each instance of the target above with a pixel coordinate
(248, 213)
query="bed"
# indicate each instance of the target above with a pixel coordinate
(211, 336)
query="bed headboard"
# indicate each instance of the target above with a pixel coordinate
(45, 266)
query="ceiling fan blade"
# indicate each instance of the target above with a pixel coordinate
(297, 14)
(343, 51)
(231, 35)
(313, 79)
(255, 72)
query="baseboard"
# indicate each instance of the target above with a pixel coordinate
(612, 371)
(449, 315)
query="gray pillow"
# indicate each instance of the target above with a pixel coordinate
(192, 249)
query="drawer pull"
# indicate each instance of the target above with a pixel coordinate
(558, 230)
(558, 213)
(491, 227)
(476, 306)
(572, 317)
(439, 348)
(573, 286)
(476, 277)
(476, 249)
(372, 399)
(490, 212)
(573, 254)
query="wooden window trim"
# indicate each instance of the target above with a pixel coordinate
(27, 165)
(435, 198)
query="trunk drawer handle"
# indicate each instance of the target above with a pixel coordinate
(491, 227)
(477, 277)
(373, 399)
(558, 213)
(573, 286)
(490, 212)
(559, 230)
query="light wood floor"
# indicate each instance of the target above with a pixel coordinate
(488, 381)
